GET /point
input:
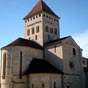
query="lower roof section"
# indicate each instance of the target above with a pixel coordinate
(24, 42)
(41, 66)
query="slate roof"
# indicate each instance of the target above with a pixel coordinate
(57, 40)
(24, 42)
(40, 66)
(40, 6)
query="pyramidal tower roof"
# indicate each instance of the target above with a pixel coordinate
(39, 7)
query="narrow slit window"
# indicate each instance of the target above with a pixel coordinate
(32, 85)
(51, 30)
(4, 65)
(47, 29)
(55, 31)
(43, 85)
(36, 37)
(20, 64)
(28, 32)
(54, 84)
(32, 30)
(37, 29)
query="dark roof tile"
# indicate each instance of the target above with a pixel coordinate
(40, 66)
(40, 6)
(24, 42)
(57, 40)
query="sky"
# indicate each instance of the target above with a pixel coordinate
(73, 19)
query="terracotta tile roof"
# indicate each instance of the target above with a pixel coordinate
(40, 6)
(41, 66)
(24, 42)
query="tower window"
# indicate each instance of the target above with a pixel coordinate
(36, 37)
(28, 32)
(51, 30)
(4, 65)
(47, 16)
(32, 30)
(74, 51)
(37, 29)
(33, 17)
(55, 31)
(47, 29)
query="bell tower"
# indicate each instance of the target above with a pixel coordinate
(41, 24)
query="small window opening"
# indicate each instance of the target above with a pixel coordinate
(37, 29)
(32, 30)
(36, 37)
(54, 84)
(74, 51)
(47, 29)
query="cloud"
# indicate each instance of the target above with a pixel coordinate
(82, 40)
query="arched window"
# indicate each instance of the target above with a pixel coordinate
(36, 37)
(4, 65)
(33, 30)
(55, 31)
(37, 29)
(51, 30)
(74, 51)
(28, 32)
(47, 29)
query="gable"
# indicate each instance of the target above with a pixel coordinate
(70, 41)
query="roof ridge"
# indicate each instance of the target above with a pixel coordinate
(56, 40)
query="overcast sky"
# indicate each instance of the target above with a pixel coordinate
(73, 19)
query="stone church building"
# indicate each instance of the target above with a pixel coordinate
(42, 59)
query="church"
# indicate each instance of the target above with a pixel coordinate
(42, 59)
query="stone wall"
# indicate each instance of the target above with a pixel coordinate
(12, 70)
(54, 55)
(45, 79)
